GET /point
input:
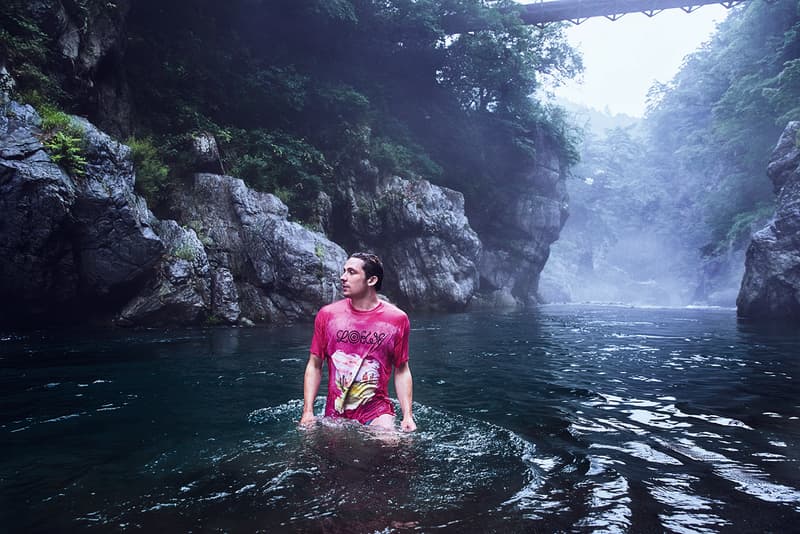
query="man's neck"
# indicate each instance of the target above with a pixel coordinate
(365, 303)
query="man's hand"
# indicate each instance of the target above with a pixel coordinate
(403, 384)
(408, 424)
(307, 419)
(311, 380)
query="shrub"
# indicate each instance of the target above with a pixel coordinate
(152, 175)
(393, 158)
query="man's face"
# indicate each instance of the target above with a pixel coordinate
(354, 280)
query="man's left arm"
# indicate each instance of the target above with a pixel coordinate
(403, 385)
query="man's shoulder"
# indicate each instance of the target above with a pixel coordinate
(393, 311)
(334, 306)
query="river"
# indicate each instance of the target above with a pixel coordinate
(564, 418)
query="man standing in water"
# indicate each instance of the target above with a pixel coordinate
(362, 338)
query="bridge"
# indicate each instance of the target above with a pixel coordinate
(576, 11)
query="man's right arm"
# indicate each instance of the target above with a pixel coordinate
(311, 381)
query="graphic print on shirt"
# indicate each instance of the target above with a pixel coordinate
(356, 378)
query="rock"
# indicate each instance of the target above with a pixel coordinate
(7, 85)
(115, 244)
(498, 299)
(205, 152)
(518, 225)
(771, 284)
(321, 210)
(420, 231)
(38, 270)
(180, 291)
(68, 243)
(225, 296)
(785, 158)
(282, 271)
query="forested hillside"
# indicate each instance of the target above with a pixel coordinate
(662, 212)
(296, 92)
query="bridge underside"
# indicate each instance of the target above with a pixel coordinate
(577, 11)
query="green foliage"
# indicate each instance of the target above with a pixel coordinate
(715, 124)
(279, 163)
(67, 151)
(744, 223)
(394, 158)
(63, 140)
(54, 119)
(299, 93)
(184, 251)
(152, 175)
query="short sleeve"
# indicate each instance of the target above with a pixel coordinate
(320, 339)
(401, 341)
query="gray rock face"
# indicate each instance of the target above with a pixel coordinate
(771, 283)
(423, 237)
(517, 229)
(180, 290)
(38, 268)
(89, 243)
(64, 241)
(282, 271)
(115, 244)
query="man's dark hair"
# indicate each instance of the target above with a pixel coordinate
(372, 266)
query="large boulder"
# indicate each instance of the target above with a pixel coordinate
(429, 250)
(277, 270)
(80, 246)
(115, 244)
(68, 242)
(771, 283)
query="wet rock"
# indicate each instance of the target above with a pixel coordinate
(518, 225)
(429, 250)
(68, 242)
(771, 283)
(282, 271)
(180, 290)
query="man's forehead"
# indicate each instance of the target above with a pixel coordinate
(355, 263)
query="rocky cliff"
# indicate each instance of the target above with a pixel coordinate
(421, 232)
(771, 284)
(85, 246)
(517, 226)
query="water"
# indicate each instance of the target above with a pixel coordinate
(567, 418)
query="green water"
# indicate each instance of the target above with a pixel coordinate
(565, 418)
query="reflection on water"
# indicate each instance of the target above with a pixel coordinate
(575, 419)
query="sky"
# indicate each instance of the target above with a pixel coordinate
(623, 58)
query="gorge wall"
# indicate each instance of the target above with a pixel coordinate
(78, 246)
(86, 246)
(771, 285)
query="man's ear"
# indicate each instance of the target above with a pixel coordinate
(372, 280)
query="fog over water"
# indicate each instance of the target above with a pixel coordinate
(629, 237)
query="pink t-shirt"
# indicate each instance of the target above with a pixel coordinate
(361, 347)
